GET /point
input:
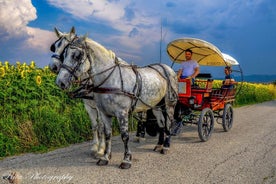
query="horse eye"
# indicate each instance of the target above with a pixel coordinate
(77, 56)
(53, 48)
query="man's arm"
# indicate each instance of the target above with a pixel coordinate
(196, 72)
(179, 73)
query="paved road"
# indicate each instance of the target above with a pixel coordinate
(246, 154)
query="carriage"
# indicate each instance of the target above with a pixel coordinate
(118, 89)
(200, 102)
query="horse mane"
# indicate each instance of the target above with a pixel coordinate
(101, 48)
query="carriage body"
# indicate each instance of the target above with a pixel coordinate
(199, 102)
(202, 95)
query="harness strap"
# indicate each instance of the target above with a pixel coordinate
(136, 92)
(114, 91)
(137, 86)
(170, 88)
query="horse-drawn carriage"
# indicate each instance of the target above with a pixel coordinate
(199, 102)
(111, 87)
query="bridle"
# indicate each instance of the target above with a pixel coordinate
(79, 60)
(60, 56)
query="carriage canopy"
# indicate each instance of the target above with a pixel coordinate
(204, 52)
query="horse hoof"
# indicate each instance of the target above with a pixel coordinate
(164, 151)
(142, 139)
(97, 156)
(158, 148)
(136, 139)
(139, 139)
(94, 154)
(100, 154)
(102, 162)
(125, 165)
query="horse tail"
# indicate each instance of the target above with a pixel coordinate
(171, 78)
(171, 96)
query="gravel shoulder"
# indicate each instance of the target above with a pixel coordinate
(245, 154)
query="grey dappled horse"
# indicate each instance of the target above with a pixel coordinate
(58, 47)
(120, 89)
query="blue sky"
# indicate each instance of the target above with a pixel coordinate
(244, 29)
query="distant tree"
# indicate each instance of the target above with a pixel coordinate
(274, 83)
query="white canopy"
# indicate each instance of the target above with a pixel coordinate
(204, 52)
(229, 59)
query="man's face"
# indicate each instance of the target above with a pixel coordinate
(226, 71)
(188, 55)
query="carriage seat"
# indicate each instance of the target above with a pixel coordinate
(204, 76)
(203, 83)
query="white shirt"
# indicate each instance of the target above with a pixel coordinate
(188, 67)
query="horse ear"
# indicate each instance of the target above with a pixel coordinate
(85, 36)
(72, 33)
(73, 30)
(58, 33)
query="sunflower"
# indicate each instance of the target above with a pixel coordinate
(23, 75)
(7, 65)
(24, 65)
(38, 80)
(2, 72)
(32, 65)
(18, 64)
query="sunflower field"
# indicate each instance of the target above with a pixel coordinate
(36, 116)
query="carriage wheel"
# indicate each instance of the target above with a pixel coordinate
(205, 124)
(227, 117)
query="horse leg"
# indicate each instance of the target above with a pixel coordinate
(160, 121)
(126, 163)
(167, 141)
(140, 134)
(159, 146)
(169, 114)
(92, 115)
(107, 121)
(102, 145)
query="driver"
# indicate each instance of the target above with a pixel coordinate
(189, 68)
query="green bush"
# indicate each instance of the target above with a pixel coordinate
(250, 93)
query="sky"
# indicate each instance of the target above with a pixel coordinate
(138, 31)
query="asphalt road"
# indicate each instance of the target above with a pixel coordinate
(246, 154)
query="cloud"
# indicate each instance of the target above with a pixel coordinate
(14, 17)
(84, 9)
(39, 38)
(129, 14)
(135, 27)
(134, 32)
(133, 23)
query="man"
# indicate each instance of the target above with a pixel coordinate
(229, 80)
(189, 68)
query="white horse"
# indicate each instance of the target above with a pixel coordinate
(120, 89)
(58, 47)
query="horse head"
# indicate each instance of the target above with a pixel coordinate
(76, 63)
(58, 47)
